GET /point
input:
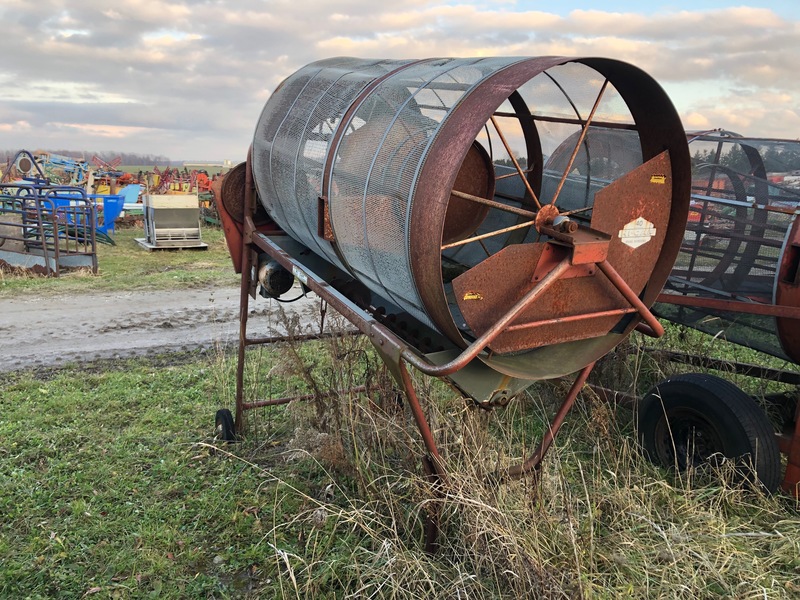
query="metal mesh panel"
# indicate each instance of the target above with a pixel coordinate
(414, 145)
(377, 165)
(274, 113)
(738, 222)
(307, 109)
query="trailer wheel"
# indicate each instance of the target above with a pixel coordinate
(696, 419)
(223, 425)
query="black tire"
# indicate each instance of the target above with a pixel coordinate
(223, 425)
(688, 420)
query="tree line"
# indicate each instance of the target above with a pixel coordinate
(127, 158)
(778, 158)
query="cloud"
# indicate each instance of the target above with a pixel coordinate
(191, 76)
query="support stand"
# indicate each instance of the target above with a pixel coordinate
(397, 354)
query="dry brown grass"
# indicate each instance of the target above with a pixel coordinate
(599, 522)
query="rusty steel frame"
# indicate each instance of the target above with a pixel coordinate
(394, 350)
(789, 444)
(396, 353)
(498, 205)
(582, 255)
(426, 267)
(739, 306)
(783, 304)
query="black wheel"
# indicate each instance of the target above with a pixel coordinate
(223, 425)
(696, 419)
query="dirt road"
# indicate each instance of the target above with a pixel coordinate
(50, 331)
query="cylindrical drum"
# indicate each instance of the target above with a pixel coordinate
(427, 182)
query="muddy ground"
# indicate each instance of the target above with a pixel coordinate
(52, 331)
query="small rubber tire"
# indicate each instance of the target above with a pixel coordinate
(223, 426)
(688, 420)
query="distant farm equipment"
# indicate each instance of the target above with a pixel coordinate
(45, 227)
(171, 221)
(99, 192)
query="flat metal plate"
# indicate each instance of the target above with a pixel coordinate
(491, 288)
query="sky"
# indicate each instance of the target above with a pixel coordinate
(187, 79)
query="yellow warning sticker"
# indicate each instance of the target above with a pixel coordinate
(659, 179)
(473, 296)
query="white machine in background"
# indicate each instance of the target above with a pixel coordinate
(171, 221)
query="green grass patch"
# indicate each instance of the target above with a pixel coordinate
(112, 486)
(128, 266)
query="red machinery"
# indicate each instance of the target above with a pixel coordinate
(392, 189)
(736, 277)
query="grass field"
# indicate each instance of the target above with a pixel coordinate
(113, 486)
(128, 266)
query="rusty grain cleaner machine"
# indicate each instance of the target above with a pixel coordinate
(394, 189)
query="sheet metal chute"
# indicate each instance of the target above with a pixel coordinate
(446, 207)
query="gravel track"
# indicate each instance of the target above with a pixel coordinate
(52, 331)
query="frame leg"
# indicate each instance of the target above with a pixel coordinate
(791, 479)
(534, 461)
(432, 463)
(244, 305)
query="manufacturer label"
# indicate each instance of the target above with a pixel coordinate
(659, 179)
(637, 233)
(302, 277)
(473, 296)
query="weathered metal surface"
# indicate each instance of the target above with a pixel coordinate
(381, 166)
(668, 205)
(232, 196)
(475, 178)
(736, 272)
(492, 286)
(324, 229)
(384, 177)
(787, 294)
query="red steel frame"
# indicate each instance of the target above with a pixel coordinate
(789, 439)
(395, 352)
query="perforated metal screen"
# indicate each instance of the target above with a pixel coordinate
(377, 165)
(363, 162)
(293, 136)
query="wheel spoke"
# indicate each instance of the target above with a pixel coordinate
(520, 172)
(581, 138)
(484, 236)
(498, 205)
(507, 175)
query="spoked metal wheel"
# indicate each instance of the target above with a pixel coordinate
(406, 176)
(586, 179)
